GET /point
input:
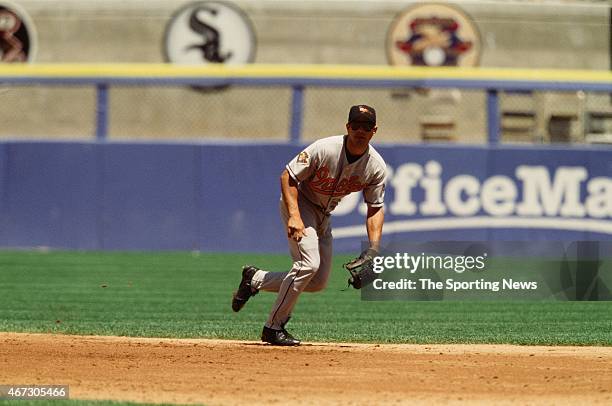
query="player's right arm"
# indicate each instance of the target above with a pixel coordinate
(301, 168)
(295, 225)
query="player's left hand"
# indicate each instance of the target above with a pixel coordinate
(361, 269)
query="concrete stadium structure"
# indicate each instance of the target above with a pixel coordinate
(522, 34)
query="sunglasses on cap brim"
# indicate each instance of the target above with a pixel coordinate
(364, 125)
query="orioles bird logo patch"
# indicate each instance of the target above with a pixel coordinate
(303, 158)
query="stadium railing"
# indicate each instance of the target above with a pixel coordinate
(299, 77)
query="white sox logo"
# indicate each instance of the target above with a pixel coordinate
(209, 32)
(210, 35)
(16, 35)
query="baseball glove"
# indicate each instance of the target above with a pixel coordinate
(361, 269)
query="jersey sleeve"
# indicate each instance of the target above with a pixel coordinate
(303, 165)
(374, 193)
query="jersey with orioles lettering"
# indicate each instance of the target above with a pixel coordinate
(325, 176)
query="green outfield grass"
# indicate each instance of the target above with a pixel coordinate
(188, 295)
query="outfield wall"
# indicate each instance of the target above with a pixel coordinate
(134, 196)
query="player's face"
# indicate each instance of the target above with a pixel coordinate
(361, 132)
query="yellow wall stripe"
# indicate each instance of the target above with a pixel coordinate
(302, 71)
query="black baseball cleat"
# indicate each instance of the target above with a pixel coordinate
(245, 291)
(278, 337)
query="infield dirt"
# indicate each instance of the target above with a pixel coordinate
(216, 372)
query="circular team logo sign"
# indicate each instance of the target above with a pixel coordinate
(17, 35)
(433, 35)
(209, 32)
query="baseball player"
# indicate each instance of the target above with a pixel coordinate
(312, 185)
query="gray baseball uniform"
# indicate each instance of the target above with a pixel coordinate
(324, 176)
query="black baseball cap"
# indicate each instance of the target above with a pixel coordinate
(362, 113)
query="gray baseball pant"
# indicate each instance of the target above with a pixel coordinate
(312, 257)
